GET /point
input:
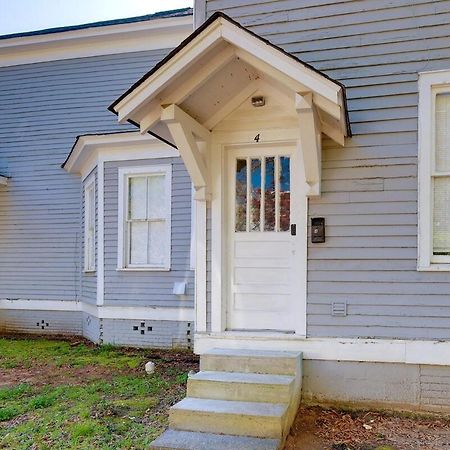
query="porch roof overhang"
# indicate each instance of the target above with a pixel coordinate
(210, 74)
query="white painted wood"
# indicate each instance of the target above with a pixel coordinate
(3, 180)
(200, 266)
(101, 232)
(114, 147)
(231, 105)
(269, 61)
(182, 128)
(263, 266)
(332, 349)
(203, 71)
(105, 312)
(310, 140)
(429, 84)
(129, 105)
(94, 41)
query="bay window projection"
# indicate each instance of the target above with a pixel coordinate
(145, 222)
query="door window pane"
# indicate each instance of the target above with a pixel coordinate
(285, 193)
(255, 200)
(441, 217)
(241, 195)
(269, 194)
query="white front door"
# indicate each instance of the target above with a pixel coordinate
(266, 239)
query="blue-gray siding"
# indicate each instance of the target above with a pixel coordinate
(376, 48)
(43, 107)
(149, 288)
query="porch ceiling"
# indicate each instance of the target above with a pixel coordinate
(214, 70)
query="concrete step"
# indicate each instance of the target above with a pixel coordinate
(265, 420)
(252, 361)
(189, 440)
(245, 387)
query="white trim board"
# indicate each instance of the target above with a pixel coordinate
(147, 35)
(333, 349)
(103, 312)
(89, 149)
(429, 84)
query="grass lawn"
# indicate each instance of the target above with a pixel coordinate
(58, 394)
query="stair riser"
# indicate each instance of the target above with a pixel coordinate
(235, 424)
(276, 366)
(245, 392)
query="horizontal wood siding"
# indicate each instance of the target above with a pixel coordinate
(376, 48)
(43, 107)
(149, 288)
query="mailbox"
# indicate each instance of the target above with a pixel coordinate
(317, 230)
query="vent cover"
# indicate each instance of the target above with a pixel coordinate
(339, 309)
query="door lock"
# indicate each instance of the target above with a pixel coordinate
(293, 229)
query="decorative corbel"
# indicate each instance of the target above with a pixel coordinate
(309, 141)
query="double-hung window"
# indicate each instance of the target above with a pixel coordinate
(89, 225)
(145, 218)
(434, 171)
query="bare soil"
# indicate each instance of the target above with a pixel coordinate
(317, 428)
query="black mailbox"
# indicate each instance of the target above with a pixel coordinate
(317, 230)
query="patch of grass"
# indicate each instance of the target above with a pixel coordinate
(124, 409)
(42, 401)
(8, 413)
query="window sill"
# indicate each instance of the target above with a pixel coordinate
(89, 271)
(143, 269)
(435, 267)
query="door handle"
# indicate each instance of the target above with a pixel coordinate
(293, 229)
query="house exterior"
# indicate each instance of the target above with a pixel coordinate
(278, 181)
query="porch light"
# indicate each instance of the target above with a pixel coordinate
(259, 101)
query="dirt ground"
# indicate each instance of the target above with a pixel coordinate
(317, 428)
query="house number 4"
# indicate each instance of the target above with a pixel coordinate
(256, 139)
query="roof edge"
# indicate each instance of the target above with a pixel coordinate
(182, 12)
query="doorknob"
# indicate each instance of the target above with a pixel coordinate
(293, 229)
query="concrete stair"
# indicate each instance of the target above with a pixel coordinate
(240, 399)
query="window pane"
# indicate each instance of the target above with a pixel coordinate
(269, 195)
(156, 197)
(443, 132)
(157, 243)
(138, 242)
(441, 217)
(285, 193)
(255, 205)
(137, 198)
(241, 195)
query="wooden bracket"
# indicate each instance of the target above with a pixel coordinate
(183, 129)
(310, 140)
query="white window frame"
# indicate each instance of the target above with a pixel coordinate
(124, 174)
(89, 186)
(430, 84)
